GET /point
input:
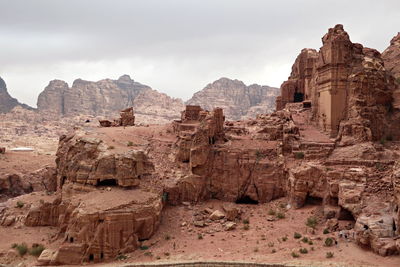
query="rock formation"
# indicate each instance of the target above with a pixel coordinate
(391, 57)
(236, 99)
(126, 119)
(106, 97)
(7, 102)
(347, 86)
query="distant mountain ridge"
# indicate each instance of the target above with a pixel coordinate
(238, 100)
(106, 97)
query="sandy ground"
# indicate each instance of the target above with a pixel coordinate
(178, 240)
(24, 162)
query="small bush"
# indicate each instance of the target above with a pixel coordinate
(271, 244)
(273, 250)
(295, 255)
(36, 250)
(22, 249)
(297, 235)
(167, 254)
(144, 247)
(199, 236)
(246, 221)
(271, 212)
(310, 242)
(305, 240)
(19, 204)
(167, 237)
(280, 215)
(255, 250)
(130, 143)
(111, 147)
(303, 251)
(148, 254)
(312, 222)
(246, 227)
(282, 206)
(284, 238)
(329, 255)
(299, 155)
(329, 242)
(121, 257)
(326, 231)
(14, 245)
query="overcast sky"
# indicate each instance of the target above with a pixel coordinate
(174, 46)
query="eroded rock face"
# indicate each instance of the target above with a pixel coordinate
(106, 97)
(236, 99)
(89, 161)
(347, 86)
(391, 56)
(96, 225)
(7, 102)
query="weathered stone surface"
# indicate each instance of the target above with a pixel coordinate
(391, 56)
(236, 99)
(348, 87)
(89, 161)
(217, 215)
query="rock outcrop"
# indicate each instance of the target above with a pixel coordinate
(346, 85)
(391, 57)
(238, 100)
(106, 97)
(90, 161)
(7, 103)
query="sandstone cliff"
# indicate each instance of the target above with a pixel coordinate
(106, 97)
(237, 99)
(7, 102)
(391, 57)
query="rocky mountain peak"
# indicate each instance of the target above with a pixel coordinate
(236, 98)
(7, 102)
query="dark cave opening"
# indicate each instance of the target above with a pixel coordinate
(345, 215)
(91, 257)
(313, 200)
(246, 200)
(298, 97)
(107, 182)
(71, 239)
(394, 227)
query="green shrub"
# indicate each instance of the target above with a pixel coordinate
(36, 250)
(14, 245)
(303, 251)
(246, 221)
(312, 222)
(271, 212)
(329, 255)
(19, 204)
(144, 247)
(310, 242)
(305, 240)
(299, 155)
(130, 143)
(297, 235)
(329, 242)
(284, 238)
(199, 236)
(246, 227)
(121, 257)
(148, 254)
(295, 255)
(22, 249)
(398, 80)
(326, 231)
(280, 215)
(382, 141)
